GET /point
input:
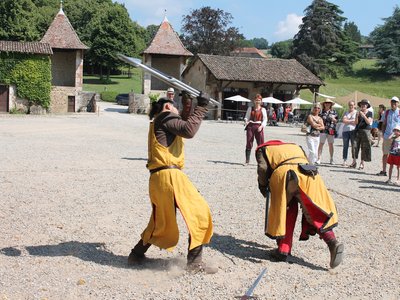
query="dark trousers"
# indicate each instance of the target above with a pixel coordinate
(251, 133)
(348, 140)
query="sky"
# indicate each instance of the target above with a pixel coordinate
(274, 20)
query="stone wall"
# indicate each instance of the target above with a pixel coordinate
(138, 103)
(59, 98)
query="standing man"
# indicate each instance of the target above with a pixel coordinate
(390, 119)
(170, 188)
(170, 94)
(280, 173)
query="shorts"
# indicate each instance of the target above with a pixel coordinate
(323, 137)
(386, 145)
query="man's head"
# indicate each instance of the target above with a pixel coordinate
(170, 93)
(394, 102)
(162, 105)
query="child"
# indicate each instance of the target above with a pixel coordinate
(394, 155)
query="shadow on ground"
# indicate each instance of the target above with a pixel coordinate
(252, 251)
(118, 110)
(91, 252)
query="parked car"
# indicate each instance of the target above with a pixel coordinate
(122, 99)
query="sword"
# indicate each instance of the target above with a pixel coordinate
(163, 77)
(249, 293)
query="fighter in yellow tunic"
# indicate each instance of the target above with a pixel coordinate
(281, 175)
(170, 188)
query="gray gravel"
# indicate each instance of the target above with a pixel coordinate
(74, 201)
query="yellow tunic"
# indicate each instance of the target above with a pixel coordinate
(314, 189)
(170, 188)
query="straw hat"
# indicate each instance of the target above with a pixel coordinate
(327, 100)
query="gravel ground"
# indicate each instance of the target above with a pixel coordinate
(74, 201)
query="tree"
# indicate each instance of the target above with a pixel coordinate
(206, 31)
(282, 49)
(351, 29)
(386, 39)
(321, 45)
(151, 31)
(112, 32)
(18, 20)
(260, 43)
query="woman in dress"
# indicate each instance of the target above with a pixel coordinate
(363, 133)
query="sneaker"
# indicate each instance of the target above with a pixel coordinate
(381, 173)
(318, 162)
(331, 161)
(344, 164)
(390, 182)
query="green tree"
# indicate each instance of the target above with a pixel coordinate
(18, 20)
(112, 32)
(151, 31)
(282, 49)
(207, 31)
(260, 43)
(351, 29)
(321, 44)
(386, 39)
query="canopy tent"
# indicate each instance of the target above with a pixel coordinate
(271, 100)
(298, 101)
(336, 105)
(234, 113)
(238, 98)
(325, 96)
(358, 96)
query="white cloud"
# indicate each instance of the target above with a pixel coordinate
(289, 27)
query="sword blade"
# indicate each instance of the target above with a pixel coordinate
(250, 291)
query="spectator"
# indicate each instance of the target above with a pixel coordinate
(381, 112)
(363, 133)
(394, 155)
(348, 134)
(390, 119)
(330, 118)
(312, 137)
(280, 113)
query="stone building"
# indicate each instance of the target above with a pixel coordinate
(66, 65)
(65, 49)
(8, 93)
(225, 76)
(165, 53)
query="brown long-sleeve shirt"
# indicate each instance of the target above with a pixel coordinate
(168, 125)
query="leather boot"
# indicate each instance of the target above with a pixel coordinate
(195, 262)
(247, 156)
(137, 254)
(336, 249)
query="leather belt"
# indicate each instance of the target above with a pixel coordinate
(163, 168)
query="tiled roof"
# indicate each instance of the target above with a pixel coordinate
(235, 68)
(25, 47)
(62, 35)
(166, 41)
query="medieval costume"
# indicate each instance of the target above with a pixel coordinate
(279, 174)
(170, 188)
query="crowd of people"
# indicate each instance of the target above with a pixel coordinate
(357, 133)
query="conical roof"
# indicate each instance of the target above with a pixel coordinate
(62, 35)
(166, 41)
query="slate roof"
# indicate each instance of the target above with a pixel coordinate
(62, 35)
(166, 41)
(26, 47)
(234, 68)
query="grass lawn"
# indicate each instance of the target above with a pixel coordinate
(367, 79)
(121, 84)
